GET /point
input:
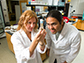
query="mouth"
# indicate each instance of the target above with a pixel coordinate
(52, 31)
(31, 29)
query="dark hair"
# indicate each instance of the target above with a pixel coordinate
(55, 14)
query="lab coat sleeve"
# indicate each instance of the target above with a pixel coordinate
(75, 47)
(22, 53)
(48, 39)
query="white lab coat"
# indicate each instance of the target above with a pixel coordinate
(21, 45)
(66, 47)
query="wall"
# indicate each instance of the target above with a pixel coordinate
(17, 13)
(78, 6)
(5, 10)
(81, 8)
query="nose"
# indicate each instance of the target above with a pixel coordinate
(51, 27)
(32, 25)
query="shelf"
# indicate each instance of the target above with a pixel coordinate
(50, 7)
(46, 5)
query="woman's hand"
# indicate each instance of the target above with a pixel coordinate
(38, 38)
(42, 46)
(41, 35)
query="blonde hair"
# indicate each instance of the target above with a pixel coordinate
(26, 16)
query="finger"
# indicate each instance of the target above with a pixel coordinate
(39, 33)
(39, 38)
(44, 34)
(43, 31)
(41, 28)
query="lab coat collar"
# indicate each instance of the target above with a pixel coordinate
(25, 36)
(63, 32)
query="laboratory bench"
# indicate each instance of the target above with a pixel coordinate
(79, 24)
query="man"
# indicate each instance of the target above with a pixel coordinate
(63, 40)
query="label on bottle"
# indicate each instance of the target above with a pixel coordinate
(41, 22)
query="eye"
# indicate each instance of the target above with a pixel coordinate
(53, 24)
(34, 23)
(47, 24)
(29, 22)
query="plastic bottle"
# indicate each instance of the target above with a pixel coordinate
(41, 23)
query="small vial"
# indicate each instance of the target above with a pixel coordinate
(41, 23)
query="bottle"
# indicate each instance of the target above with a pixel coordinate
(41, 23)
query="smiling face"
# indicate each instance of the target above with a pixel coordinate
(30, 24)
(27, 21)
(53, 25)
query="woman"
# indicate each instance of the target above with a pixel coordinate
(25, 40)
